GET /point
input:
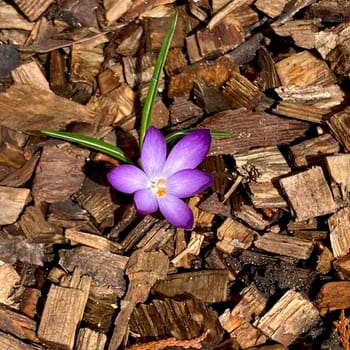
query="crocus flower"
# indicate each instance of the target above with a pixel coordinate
(162, 180)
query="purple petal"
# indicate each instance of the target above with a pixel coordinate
(145, 202)
(186, 183)
(153, 153)
(188, 153)
(127, 178)
(176, 211)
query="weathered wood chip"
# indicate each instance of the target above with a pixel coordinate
(43, 109)
(272, 130)
(339, 169)
(33, 8)
(9, 279)
(12, 202)
(9, 342)
(89, 339)
(339, 226)
(340, 125)
(309, 194)
(59, 173)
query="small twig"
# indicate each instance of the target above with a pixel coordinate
(233, 188)
(164, 343)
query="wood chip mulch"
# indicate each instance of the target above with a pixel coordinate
(267, 265)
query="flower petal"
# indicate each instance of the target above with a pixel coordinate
(176, 211)
(145, 202)
(153, 153)
(127, 178)
(188, 153)
(186, 183)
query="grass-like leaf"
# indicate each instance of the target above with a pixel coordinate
(178, 134)
(146, 118)
(90, 142)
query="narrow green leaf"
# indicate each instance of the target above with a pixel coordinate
(90, 142)
(146, 118)
(178, 134)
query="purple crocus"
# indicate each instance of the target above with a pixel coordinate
(163, 180)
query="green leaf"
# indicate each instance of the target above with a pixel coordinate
(146, 118)
(178, 134)
(90, 142)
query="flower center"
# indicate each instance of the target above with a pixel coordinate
(158, 187)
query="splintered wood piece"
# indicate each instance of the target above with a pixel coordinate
(12, 202)
(160, 118)
(175, 61)
(91, 240)
(328, 40)
(116, 9)
(339, 170)
(110, 79)
(339, 226)
(201, 218)
(43, 109)
(86, 59)
(325, 259)
(184, 113)
(11, 155)
(59, 173)
(272, 130)
(156, 237)
(272, 9)
(21, 176)
(143, 270)
(10, 18)
(288, 318)
(89, 339)
(63, 311)
(37, 229)
(9, 342)
(130, 45)
(238, 320)
(340, 125)
(302, 31)
(333, 296)
(211, 99)
(243, 92)
(16, 324)
(312, 150)
(212, 73)
(262, 164)
(332, 12)
(33, 8)
(210, 286)
(118, 105)
(265, 195)
(156, 28)
(314, 95)
(342, 265)
(251, 216)
(222, 14)
(304, 69)
(285, 245)
(309, 194)
(224, 37)
(268, 77)
(107, 281)
(234, 236)
(57, 74)
(97, 200)
(193, 248)
(9, 279)
(160, 319)
(302, 111)
(30, 73)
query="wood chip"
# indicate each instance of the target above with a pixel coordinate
(339, 226)
(339, 124)
(265, 195)
(10, 18)
(44, 110)
(59, 173)
(339, 169)
(234, 236)
(10, 342)
(285, 245)
(238, 320)
(333, 296)
(89, 339)
(33, 8)
(12, 201)
(271, 9)
(10, 280)
(309, 194)
(208, 286)
(303, 69)
(272, 130)
(313, 150)
(288, 318)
